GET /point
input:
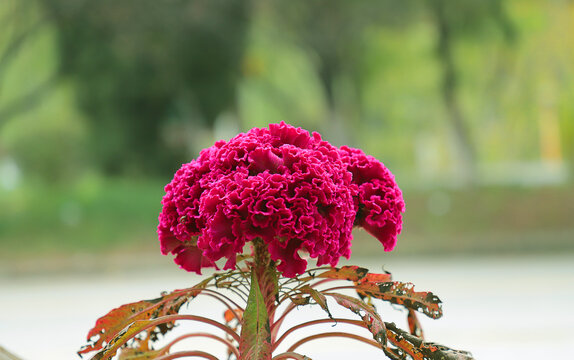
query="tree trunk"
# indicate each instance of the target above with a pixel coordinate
(463, 141)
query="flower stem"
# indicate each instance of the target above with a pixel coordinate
(181, 354)
(291, 355)
(266, 272)
(333, 334)
(228, 344)
(256, 340)
(315, 322)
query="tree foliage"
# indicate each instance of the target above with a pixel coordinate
(139, 63)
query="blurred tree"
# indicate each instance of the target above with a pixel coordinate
(136, 61)
(453, 20)
(40, 133)
(21, 22)
(332, 33)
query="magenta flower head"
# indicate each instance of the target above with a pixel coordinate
(379, 200)
(293, 190)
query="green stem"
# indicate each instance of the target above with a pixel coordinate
(256, 340)
(266, 272)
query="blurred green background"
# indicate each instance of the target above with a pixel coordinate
(468, 102)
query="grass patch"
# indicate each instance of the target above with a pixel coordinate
(94, 214)
(111, 216)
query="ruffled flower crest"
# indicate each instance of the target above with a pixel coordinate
(293, 190)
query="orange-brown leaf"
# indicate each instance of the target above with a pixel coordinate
(229, 315)
(414, 324)
(419, 349)
(109, 325)
(351, 273)
(372, 278)
(404, 294)
(376, 278)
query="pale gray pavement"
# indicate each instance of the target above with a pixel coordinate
(498, 308)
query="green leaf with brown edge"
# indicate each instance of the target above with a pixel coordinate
(319, 298)
(404, 294)
(109, 325)
(299, 299)
(418, 349)
(255, 341)
(350, 273)
(368, 314)
(139, 326)
(121, 338)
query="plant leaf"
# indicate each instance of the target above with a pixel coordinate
(137, 354)
(299, 299)
(255, 342)
(110, 325)
(419, 349)
(351, 273)
(116, 342)
(371, 278)
(367, 313)
(376, 278)
(319, 298)
(404, 294)
(5, 355)
(414, 324)
(229, 315)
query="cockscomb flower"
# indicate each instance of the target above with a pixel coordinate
(293, 190)
(379, 200)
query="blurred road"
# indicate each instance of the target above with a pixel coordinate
(498, 308)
